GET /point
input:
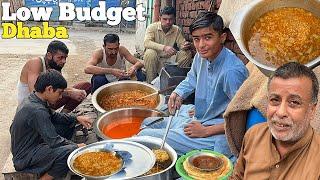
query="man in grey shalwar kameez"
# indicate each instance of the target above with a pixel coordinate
(39, 136)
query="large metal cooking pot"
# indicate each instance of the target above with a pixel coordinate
(245, 18)
(154, 143)
(112, 116)
(119, 86)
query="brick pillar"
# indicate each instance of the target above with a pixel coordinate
(156, 10)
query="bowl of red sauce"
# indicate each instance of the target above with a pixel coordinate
(123, 123)
(205, 161)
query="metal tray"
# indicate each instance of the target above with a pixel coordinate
(142, 159)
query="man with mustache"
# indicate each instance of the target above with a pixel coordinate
(162, 41)
(286, 146)
(215, 76)
(55, 58)
(108, 64)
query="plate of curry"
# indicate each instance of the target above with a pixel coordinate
(93, 161)
(98, 163)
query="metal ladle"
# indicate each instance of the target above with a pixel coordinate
(167, 128)
(156, 93)
(161, 150)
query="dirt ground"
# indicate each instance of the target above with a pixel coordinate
(14, 53)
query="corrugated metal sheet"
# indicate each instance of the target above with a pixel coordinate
(112, 3)
(45, 3)
(82, 3)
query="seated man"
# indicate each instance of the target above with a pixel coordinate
(55, 58)
(215, 76)
(286, 147)
(108, 63)
(162, 41)
(40, 137)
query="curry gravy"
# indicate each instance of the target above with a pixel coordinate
(284, 35)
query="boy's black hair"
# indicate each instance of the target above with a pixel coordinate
(50, 78)
(207, 19)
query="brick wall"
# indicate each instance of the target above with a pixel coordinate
(187, 10)
(15, 5)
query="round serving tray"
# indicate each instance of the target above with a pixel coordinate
(142, 159)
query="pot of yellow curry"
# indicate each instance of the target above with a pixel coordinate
(271, 33)
(126, 94)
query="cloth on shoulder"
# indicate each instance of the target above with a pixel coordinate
(252, 93)
(228, 9)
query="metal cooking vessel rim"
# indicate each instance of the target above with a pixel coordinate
(95, 94)
(243, 15)
(96, 150)
(97, 121)
(116, 142)
(156, 141)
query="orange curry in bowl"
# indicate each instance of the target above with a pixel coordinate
(284, 35)
(128, 99)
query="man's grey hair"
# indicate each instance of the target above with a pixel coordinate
(295, 70)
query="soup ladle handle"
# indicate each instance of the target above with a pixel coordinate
(167, 128)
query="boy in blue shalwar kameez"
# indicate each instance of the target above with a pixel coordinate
(215, 76)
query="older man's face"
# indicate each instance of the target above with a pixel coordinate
(290, 108)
